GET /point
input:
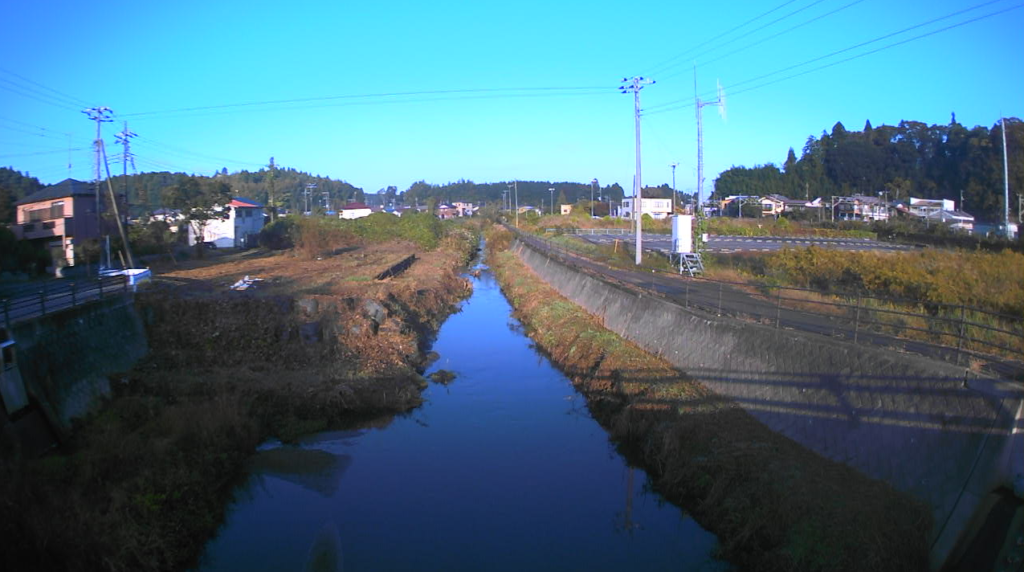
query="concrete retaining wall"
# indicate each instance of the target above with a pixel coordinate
(65, 357)
(928, 428)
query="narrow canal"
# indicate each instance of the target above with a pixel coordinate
(501, 470)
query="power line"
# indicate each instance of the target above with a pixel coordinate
(71, 98)
(658, 108)
(773, 22)
(39, 93)
(671, 61)
(771, 37)
(510, 91)
(192, 154)
(33, 97)
(49, 152)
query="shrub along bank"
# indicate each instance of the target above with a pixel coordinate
(144, 484)
(773, 504)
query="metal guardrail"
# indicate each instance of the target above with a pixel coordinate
(955, 331)
(36, 300)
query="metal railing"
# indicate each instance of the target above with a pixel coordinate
(35, 300)
(952, 332)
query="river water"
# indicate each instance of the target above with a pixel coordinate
(501, 470)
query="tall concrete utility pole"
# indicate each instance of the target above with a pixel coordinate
(673, 165)
(1006, 184)
(698, 105)
(634, 86)
(593, 183)
(551, 190)
(100, 115)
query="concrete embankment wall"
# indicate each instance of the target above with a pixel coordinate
(65, 358)
(923, 426)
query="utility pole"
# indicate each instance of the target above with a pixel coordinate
(516, 184)
(673, 165)
(551, 190)
(698, 105)
(1006, 184)
(309, 189)
(634, 86)
(124, 138)
(117, 215)
(100, 115)
(593, 183)
(270, 191)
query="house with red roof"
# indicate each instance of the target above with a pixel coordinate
(239, 227)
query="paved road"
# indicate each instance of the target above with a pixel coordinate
(727, 244)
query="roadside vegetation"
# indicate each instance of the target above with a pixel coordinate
(773, 504)
(143, 484)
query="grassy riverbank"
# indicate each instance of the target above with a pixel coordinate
(144, 483)
(773, 504)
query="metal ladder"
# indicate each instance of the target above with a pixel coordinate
(691, 263)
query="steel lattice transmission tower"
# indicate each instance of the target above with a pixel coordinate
(634, 86)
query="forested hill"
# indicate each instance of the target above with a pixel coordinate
(146, 190)
(14, 186)
(909, 159)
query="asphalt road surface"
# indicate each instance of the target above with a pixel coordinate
(726, 244)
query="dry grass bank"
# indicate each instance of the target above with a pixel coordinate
(773, 504)
(318, 344)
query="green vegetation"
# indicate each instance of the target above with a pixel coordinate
(909, 159)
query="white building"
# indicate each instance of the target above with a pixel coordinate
(354, 210)
(240, 229)
(657, 208)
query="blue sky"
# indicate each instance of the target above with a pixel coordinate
(145, 60)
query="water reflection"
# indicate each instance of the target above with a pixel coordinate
(502, 470)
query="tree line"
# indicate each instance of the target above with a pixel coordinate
(911, 159)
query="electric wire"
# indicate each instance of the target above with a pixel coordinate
(671, 61)
(767, 38)
(37, 98)
(74, 100)
(658, 107)
(509, 92)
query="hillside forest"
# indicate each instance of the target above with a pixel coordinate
(911, 159)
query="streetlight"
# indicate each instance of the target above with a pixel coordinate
(593, 183)
(552, 191)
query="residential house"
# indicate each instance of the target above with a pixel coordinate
(657, 208)
(860, 208)
(172, 217)
(464, 209)
(445, 212)
(565, 209)
(939, 211)
(238, 228)
(775, 205)
(354, 210)
(60, 217)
